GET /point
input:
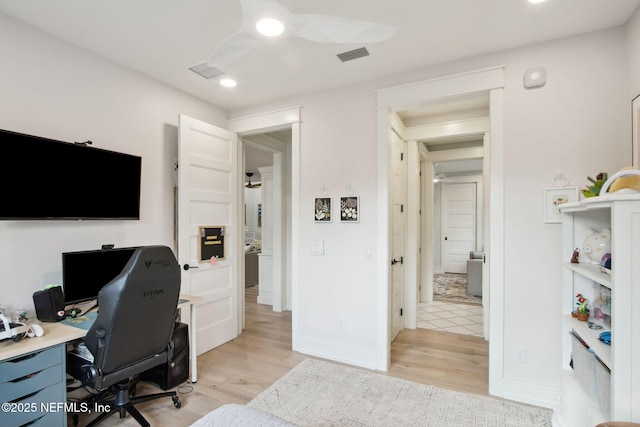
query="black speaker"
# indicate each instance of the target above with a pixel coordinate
(176, 370)
(180, 337)
(49, 304)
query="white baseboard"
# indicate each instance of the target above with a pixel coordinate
(343, 353)
(265, 299)
(546, 396)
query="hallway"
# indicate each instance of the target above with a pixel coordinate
(458, 318)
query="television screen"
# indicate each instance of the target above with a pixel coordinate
(84, 273)
(46, 179)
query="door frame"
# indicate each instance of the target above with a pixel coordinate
(285, 118)
(390, 100)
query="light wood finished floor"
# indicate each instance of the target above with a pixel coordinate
(238, 371)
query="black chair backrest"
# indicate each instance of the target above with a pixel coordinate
(136, 310)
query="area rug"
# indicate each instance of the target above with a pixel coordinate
(452, 287)
(318, 393)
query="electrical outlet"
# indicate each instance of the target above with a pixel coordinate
(521, 355)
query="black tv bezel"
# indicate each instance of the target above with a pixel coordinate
(89, 252)
(138, 192)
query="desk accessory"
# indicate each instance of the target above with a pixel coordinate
(10, 330)
(35, 330)
(49, 304)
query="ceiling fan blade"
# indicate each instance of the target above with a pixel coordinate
(254, 10)
(232, 49)
(317, 28)
(335, 29)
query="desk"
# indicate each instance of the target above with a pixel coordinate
(58, 333)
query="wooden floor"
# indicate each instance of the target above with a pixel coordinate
(238, 371)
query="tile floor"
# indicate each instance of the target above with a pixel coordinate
(466, 319)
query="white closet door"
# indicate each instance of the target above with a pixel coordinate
(459, 225)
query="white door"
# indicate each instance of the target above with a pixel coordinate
(458, 225)
(398, 223)
(207, 197)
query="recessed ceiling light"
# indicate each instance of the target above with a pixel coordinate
(270, 27)
(537, 1)
(228, 82)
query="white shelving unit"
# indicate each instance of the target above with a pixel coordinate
(589, 394)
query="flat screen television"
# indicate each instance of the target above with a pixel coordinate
(84, 273)
(42, 178)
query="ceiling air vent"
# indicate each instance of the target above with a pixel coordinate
(353, 54)
(206, 71)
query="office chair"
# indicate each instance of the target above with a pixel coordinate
(132, 332)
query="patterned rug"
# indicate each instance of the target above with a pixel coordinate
(452, 287)
(317, 393)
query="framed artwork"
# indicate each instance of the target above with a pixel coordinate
(553, 198)
(322, 211)
(349, 209)
(635, 136)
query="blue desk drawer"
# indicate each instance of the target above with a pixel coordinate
(20, 366)
(30, 409)
(49, 420)
(28, 384)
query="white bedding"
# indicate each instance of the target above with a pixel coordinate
(235, 415)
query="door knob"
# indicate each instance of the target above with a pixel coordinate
(187, 267)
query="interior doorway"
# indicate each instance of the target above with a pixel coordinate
(267, 166)
(289, 120)
(488, 82)
(450, 138)
(455, 304)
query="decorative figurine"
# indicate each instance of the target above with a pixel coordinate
(582, 312)
(595, 245)
(574, 257)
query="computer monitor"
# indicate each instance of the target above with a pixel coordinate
(84, 273)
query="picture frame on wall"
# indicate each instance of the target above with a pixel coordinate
(553, 198)
(322, 209)
(350, 209)
(635, 136)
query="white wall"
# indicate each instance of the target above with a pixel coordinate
(574, 123)
(633, 58)
(632, 34)
(338, 289)
(52, 89)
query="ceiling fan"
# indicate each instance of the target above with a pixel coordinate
(266, 18)
(249, 184)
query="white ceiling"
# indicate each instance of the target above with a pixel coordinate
(163, 38)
